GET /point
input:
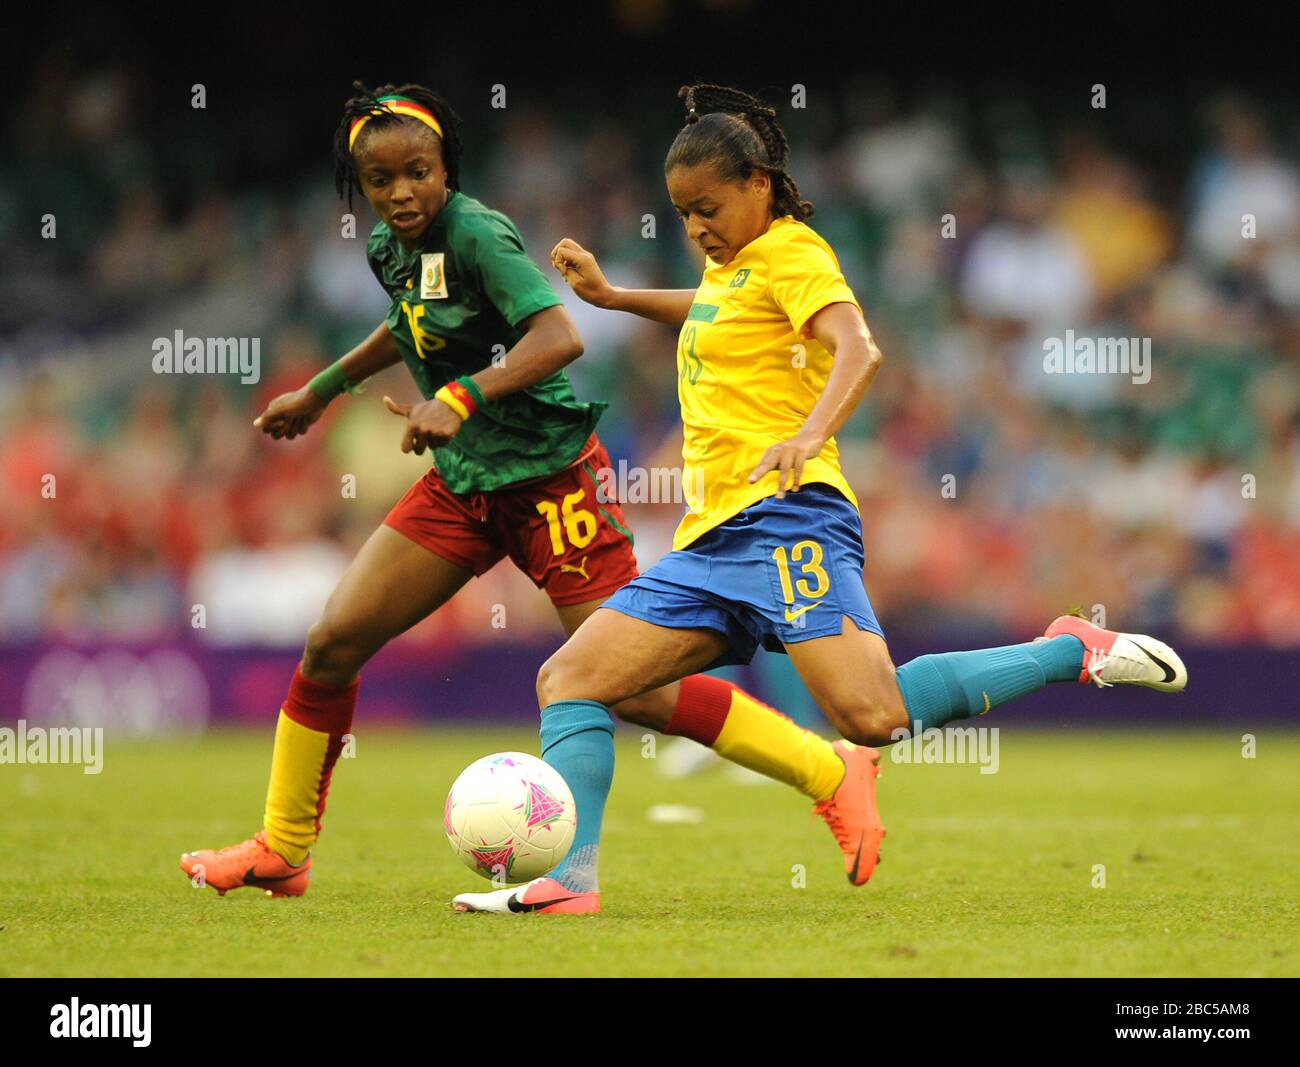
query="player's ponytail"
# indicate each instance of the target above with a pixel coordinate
(366, 104)
(738, 134)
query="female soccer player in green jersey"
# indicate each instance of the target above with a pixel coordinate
(772, 359)
(515, 457)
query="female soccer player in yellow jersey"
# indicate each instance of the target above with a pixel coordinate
(772, 359)
(516, 456)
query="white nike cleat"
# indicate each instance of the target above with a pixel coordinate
(1113, 658)
(544, 895)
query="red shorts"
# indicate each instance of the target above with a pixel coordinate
(555, 529)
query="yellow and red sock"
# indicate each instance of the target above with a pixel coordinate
(309, 736)
(746, 731)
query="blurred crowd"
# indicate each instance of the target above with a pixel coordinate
(994, 494)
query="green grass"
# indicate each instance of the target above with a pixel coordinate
(982, 875)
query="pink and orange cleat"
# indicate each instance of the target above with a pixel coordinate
(851, 811)
(1113, 658)
(250, 863)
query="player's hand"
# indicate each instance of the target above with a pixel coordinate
(429, 424)
(787, 459)
(579, 268)
(289, 414)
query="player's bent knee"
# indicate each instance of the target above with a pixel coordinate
(330, 651)
(565, 677)
(866, 720)
(552, 680)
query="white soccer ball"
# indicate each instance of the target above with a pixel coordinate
(510, 817)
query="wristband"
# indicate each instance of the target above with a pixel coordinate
(471, 387)
(330, 382)
(463, 396)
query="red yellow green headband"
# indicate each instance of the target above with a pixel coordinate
(395, 105)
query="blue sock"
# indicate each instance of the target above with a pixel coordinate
(578, 741)
(957, 685)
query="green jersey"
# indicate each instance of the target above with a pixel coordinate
(458, 301)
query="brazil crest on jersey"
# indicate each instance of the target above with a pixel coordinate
(457, 301)
(749, 371)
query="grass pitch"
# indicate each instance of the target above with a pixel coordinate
(982, 874)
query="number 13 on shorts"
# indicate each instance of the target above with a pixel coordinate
(812, 568)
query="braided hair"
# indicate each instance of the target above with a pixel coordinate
(738, 134)
(366, 102)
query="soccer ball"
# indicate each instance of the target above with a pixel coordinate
(510, 817)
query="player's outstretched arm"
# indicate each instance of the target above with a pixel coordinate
(579, 268)
(290, 414)
(550, 342)
(842, 330)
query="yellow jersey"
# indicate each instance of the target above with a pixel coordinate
(749, 371)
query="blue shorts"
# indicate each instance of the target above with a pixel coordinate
(780, 572)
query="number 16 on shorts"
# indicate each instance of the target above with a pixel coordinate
(578, 523)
